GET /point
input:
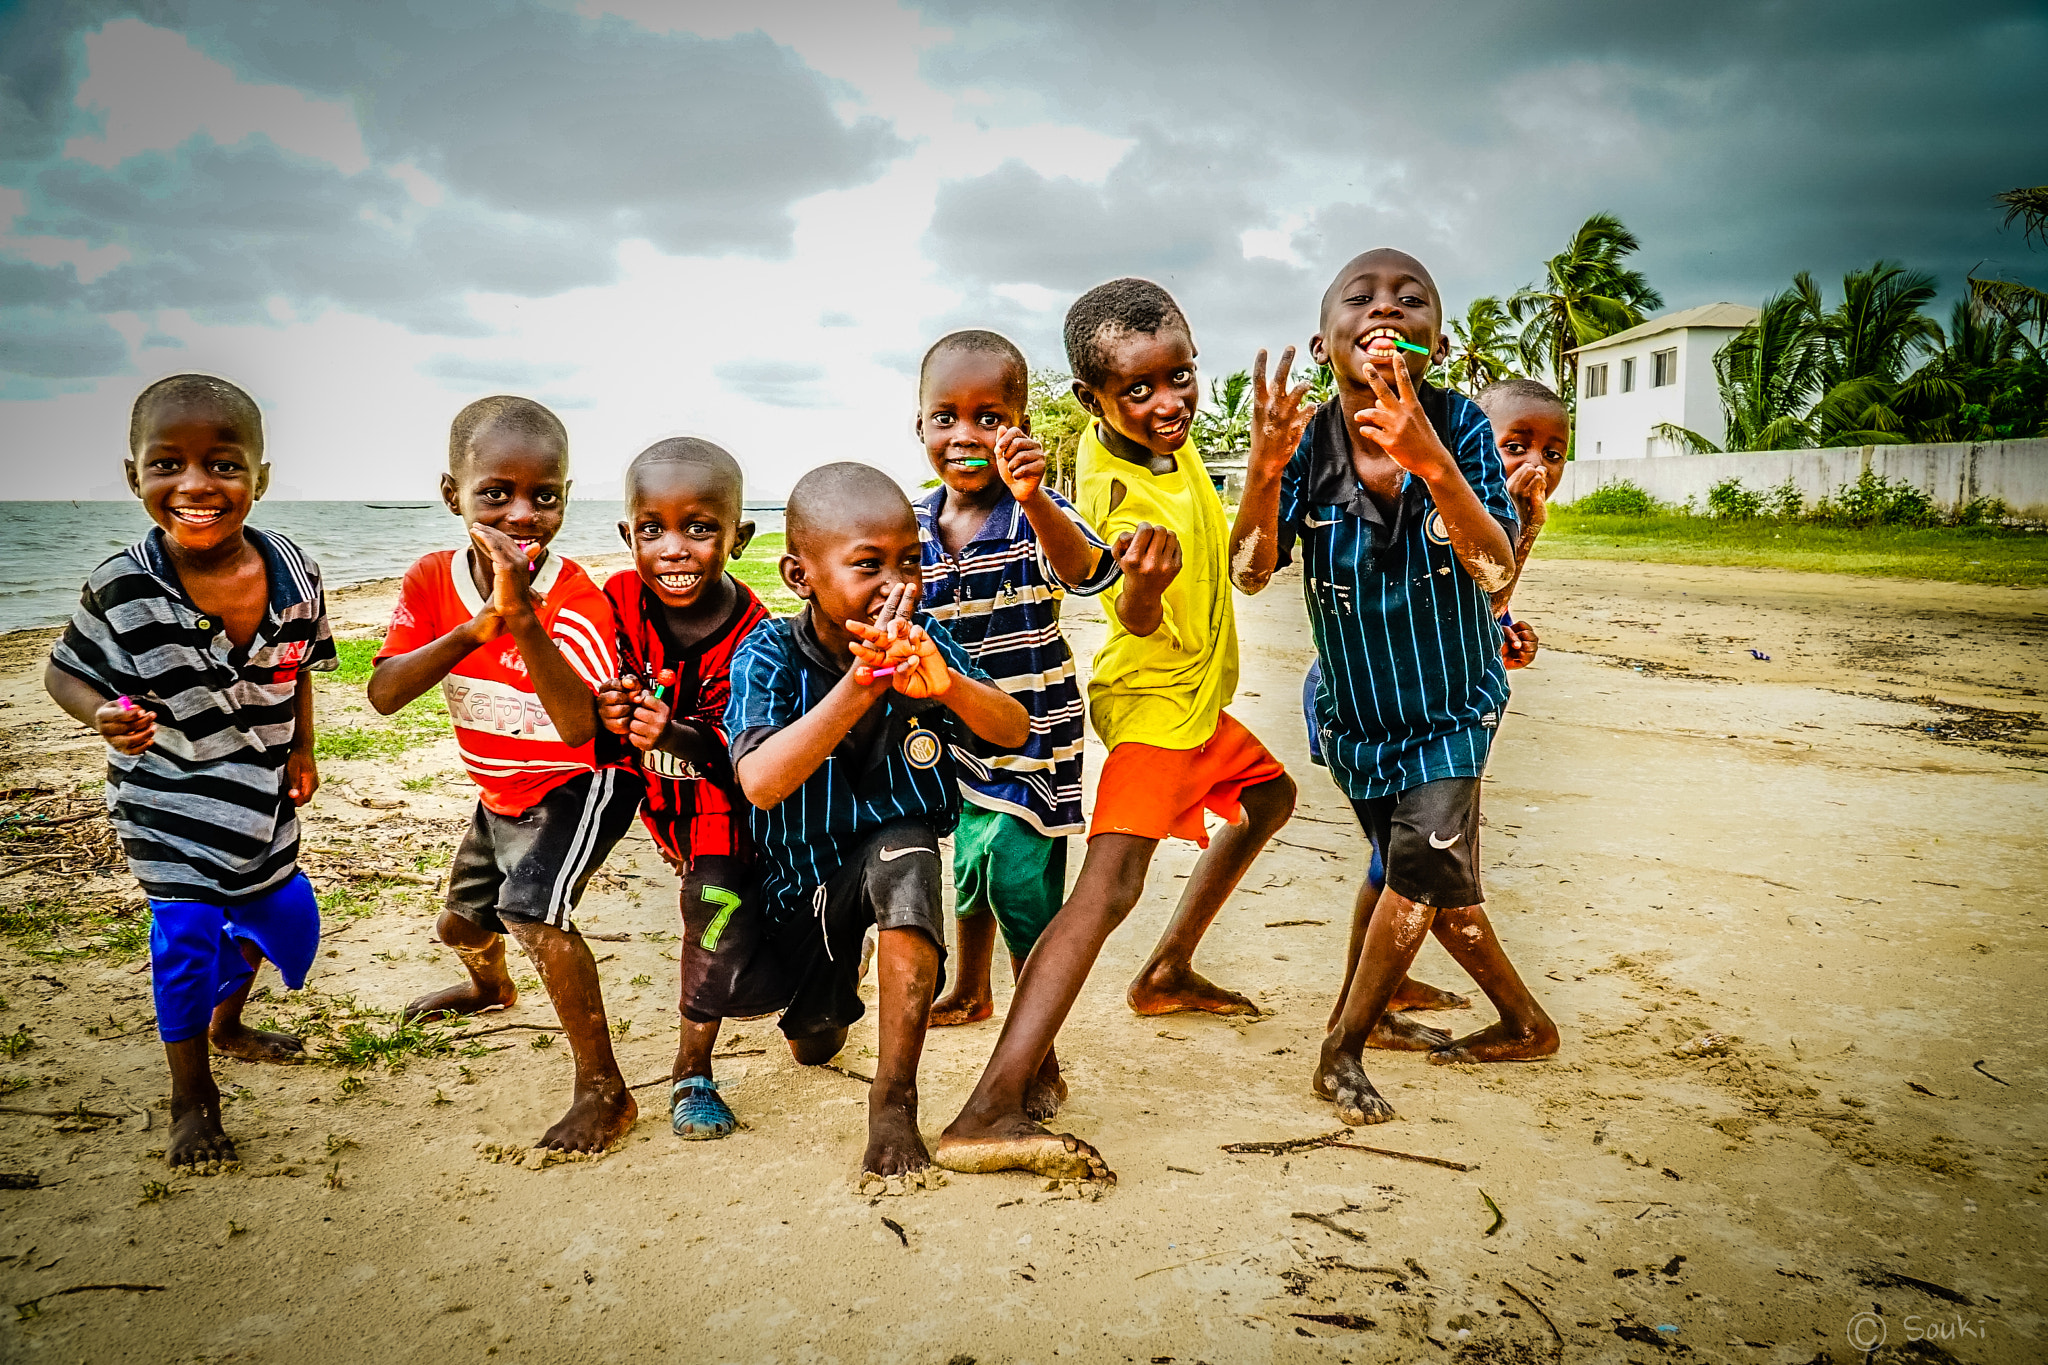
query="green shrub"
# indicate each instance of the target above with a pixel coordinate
(1874, 500)
(1731, 500)
(1620, 498)
(1784, 502)
(1980, 510)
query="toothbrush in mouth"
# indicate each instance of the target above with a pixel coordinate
(1411, 346)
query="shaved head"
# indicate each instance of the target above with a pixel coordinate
(837, 500)
(1381, 258)
(1507, 394)
(193, 390)
(711, 465)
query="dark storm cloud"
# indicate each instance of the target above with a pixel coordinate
(1741, 142)
(555, 137)
(50, 344)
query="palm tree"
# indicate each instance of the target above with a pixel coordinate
(2022, 305)
(1482, 346)
(1769, 372)
(1224, 425)
(1587, 292)
(1866, 345)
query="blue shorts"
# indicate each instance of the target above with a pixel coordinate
(1377, 872)
(195, 951)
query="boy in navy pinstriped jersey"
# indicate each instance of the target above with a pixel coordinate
(853, 779)
(1395, 493)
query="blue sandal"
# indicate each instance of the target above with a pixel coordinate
(695, 1111)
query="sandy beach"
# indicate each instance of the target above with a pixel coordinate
(1789, 915)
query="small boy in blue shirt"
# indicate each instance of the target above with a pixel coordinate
(1396, 495)
(843, 724)
(1000, 551)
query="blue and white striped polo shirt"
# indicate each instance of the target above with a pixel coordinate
(899, 761)
(1000, 600)
(1413, 684)
(202, 813)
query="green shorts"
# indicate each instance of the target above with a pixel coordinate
(1001, 863)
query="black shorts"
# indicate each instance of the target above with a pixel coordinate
(1428, 836)
(532, 868)
(730, 968)
(894, 880)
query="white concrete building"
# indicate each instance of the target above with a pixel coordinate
(1661, 371)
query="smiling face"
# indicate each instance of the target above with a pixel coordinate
(1379, 299)
(1149, 391)
(682, 523)
(514, 482)
(968, 397)
(846, 569)
(197, 472)
(1532, 432)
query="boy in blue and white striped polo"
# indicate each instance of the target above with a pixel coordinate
(192, 654)
(1000, 551)
(1395, 493)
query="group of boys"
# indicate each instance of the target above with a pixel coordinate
(801, 772)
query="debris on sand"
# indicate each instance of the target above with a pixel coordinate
(1706, 1045)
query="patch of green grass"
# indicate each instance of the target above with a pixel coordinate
(402, 1040)
(355, 660)
(422, 783)
(10, 1084)
(12, 1045)
(56, 929)
(421, 721)
(1952, 554)
(758, 570)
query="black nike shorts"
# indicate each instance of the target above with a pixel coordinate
(894, 880)
(1428, 837)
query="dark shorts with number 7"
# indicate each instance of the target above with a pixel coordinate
(730, 967)
(895, 879)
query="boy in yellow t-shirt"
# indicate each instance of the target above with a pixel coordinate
(1157, 695)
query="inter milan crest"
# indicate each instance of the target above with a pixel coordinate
(921, 747)
(1434, 528)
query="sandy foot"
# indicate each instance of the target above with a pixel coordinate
(596, 1119)
(1022, 1145)
(254, 1045)
(1187, 991)
(1399, 1033)
(895, 1147)
(1340, 1078)
(1499, 1042)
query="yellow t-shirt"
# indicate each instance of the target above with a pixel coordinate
(1167, 688)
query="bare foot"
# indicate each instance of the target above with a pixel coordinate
(596, 1119)
(197, 1140)
(1340, 1078)
(1399, 1033)
(1420, 995)
(467, 998)
(1047, 1090)
(1184, 991)
(1018, 1144)
(895, 1147)
(818, 1048)
(1500, 1042)
(962, 1007)
(254, 1045)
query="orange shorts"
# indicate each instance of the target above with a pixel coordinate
(1156, 793)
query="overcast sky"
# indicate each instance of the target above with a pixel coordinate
(747, 220)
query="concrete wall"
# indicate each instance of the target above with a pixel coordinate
(2016, 471)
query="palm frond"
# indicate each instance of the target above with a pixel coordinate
(2029, 207)
(1694, 443)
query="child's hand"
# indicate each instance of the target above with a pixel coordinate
(511, 573)
(1149, 557)
(616, 701)
(648, 725)
(126, 727)
(301, 776)
(1279, 415)
(1518, 644)
(1528, 487)
(1021, 462)
(1398, 425)
(920, 670)
(880, 643)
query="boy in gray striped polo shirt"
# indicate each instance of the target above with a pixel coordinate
(1395, 493)
(192, 654)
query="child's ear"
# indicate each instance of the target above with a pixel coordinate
(1318, 350)
(626, 534)
(792, 570)
(741, 538)
(262, 479)
(1085, 396)
(1024, 424)
(450, 494)
(917, 426)
(133, 475)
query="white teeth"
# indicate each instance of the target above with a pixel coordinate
(679, 582)
(201, 514)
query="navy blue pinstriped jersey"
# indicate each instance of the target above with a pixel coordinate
(1000, 599)
(898, 762)
(1413, 684)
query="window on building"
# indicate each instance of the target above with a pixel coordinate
(1596, 381)
(1628, 375)
(1663, 368)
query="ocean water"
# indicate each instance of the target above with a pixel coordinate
(48, 548)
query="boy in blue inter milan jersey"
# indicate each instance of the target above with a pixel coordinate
(1395, 494)
(843, 724)
(1000, 551)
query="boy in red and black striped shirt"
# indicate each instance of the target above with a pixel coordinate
(680, 616)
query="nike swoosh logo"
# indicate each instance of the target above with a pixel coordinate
(890, 855)
(1313, 524)
(1435, 842)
